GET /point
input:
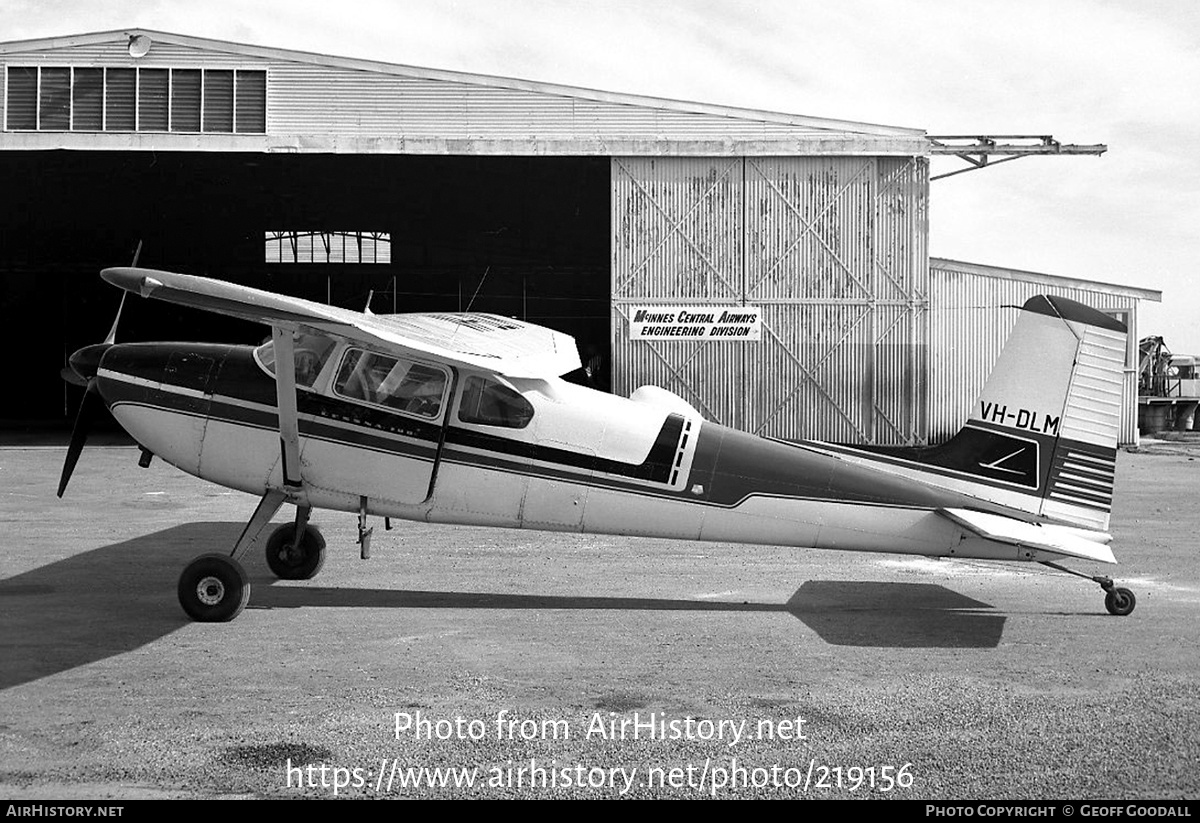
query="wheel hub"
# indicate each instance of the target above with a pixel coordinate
(210, 590)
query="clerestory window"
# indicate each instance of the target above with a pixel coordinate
(118, 99)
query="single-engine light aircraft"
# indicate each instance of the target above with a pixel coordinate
(466, 418)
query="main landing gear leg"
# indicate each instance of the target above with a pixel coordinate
(214, 587)
(1118, 601)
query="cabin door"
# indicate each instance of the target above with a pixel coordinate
(376, 431)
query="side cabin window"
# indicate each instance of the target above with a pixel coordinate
(311, 353)
(390, 381)
(490, 403)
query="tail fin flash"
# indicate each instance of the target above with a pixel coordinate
(1049, 416)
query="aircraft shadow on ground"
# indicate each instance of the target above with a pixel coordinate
(842, 613)
(899, 615)
(100, 603)
(121, 597)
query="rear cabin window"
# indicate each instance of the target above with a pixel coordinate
(390, 381)
(489, 403)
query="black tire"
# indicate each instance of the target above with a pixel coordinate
(214, 588)
(1119, 602)
(300, 564)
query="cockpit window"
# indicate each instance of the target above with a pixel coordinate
(311, 353)
(489, 403)
(389, 381)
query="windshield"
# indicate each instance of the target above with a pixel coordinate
(311, 353)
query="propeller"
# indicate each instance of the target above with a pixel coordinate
(81, 371)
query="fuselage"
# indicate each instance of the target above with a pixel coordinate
(543, 454)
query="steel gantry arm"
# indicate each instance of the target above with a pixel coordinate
(979, 150)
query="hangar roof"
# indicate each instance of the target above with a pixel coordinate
(294, 101)
(1002, 273)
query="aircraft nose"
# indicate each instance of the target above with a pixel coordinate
(86, 361)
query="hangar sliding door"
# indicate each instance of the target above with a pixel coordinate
(833, 252)
(678, 239)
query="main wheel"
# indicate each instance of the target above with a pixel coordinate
(214, 588)
(1119, 602)
(295, 562)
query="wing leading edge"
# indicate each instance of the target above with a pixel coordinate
(499, 344)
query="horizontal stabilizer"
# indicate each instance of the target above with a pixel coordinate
(1057, 539)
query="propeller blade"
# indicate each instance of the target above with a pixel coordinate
(84, 364)
(79, 435)
(112, 333)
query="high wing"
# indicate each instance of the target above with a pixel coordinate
(499, 344)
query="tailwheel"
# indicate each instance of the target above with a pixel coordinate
(292, 559)
(214, 588)
(1119, 601)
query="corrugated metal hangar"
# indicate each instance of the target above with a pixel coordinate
(334, 178)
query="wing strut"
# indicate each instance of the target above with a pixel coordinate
(285, 391)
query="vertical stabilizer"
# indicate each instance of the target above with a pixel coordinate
(1049, 417)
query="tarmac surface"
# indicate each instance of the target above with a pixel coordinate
(550, 665)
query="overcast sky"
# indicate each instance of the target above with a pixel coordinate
(1121, 72)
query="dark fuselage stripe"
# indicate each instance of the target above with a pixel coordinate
(655, 468)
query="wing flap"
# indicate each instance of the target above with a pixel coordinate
(1063, 540)
(499, 344)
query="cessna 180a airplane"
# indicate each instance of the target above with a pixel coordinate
(465, 418)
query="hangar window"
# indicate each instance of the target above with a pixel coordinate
(218, 101)
(153, 92)
(22, 99)
(64, 98)
(120, 100)
(250, 102)
(328, 247)
(54, 100)
(87, 100)
(185, 100)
